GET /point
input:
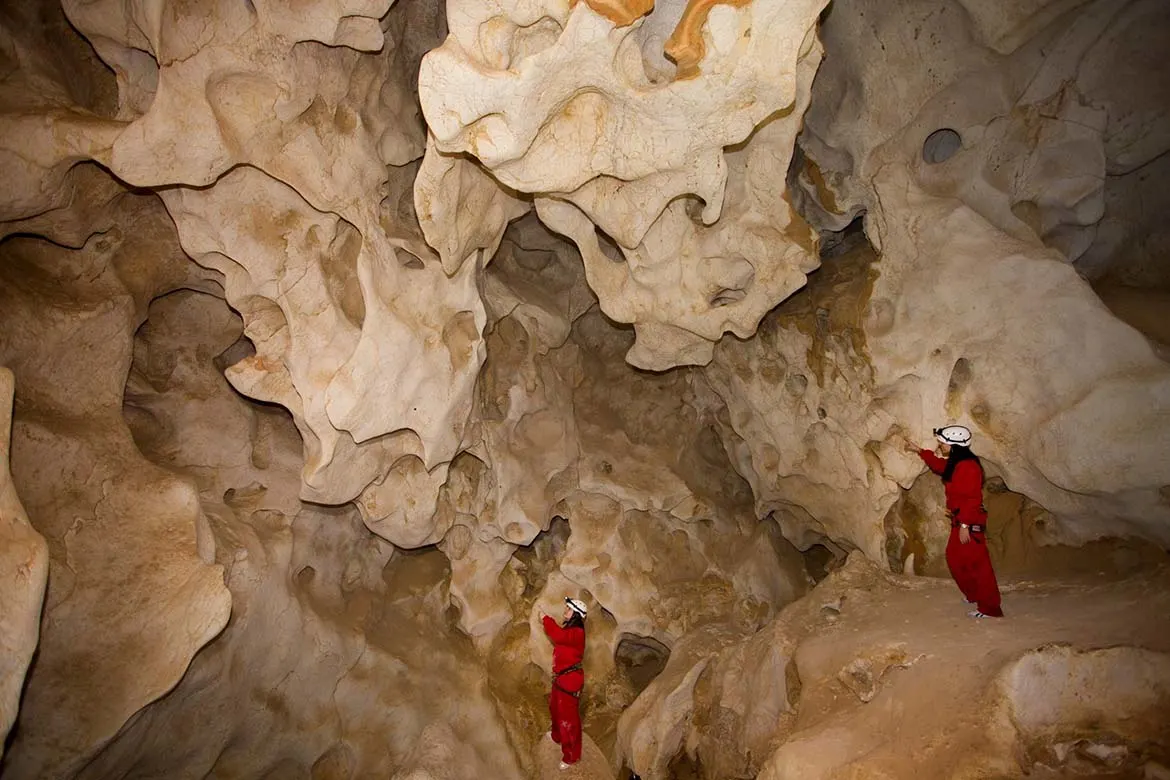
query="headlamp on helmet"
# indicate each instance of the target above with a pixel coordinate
(954, 435)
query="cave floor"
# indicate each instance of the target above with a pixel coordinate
(902, 681)
(896, 681)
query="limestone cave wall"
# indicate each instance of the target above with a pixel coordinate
(343, 338)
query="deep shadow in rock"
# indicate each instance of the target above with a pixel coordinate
(640, 659)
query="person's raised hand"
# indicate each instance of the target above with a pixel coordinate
(910, 446)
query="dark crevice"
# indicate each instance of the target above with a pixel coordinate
(640, 659)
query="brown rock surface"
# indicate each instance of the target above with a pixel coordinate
(592, 766)
(24, 561)
(348, 336)
(876, 675)
(132, 593)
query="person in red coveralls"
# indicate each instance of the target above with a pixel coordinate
(568, 641)
(967, 555)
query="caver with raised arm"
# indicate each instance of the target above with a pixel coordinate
(568, 640)
(967, 554)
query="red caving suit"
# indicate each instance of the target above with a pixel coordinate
(568, 650)
(970, 563)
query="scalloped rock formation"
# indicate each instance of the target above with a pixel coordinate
(972, 194)
(347, 337)
(625, 149)
(24, 559)
(306, 133)
(371, 697)
(132, 593)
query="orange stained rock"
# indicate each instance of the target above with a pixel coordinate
(685, 45)
(621, 12)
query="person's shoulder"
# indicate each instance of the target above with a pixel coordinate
(970, 464)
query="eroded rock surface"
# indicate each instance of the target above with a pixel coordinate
(133, 592)
(25, 563)
(379, 691)
(839, 684)
(625, 149)
(982, 176)
(350, 343)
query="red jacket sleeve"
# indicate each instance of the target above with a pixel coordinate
(933, 462)
(554, 632)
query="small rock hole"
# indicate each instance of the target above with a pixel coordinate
(726, 297)
(409, 260)
(941, 146)
(608, 246)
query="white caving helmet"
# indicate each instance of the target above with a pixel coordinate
(576, 605)
(954, 435)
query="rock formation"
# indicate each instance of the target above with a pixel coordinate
(131, 575)
(25, 561)
(1004, 213)
(850, 690)
(346, 337)
(617, 119)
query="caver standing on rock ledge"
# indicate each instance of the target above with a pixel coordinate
(967, 554)
(568, 678)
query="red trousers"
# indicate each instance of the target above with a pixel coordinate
(970, 565)
(566, 724)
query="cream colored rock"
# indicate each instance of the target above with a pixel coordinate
(447, 375)
(55, 107)
(126, 539)
(685, 283)
(523, 447)
(323, 313)
(439, 754)
(651, 475)
(308, 141)
(944, 352)
(806, 425)
(25, 563)
(339, 660)
(1028, 170)
(561, 103)
(1054, 692)
(1038, 138)
(702, 569)
(944, 695)
(728, 697)
(654, 729)
(173, 392)
(1044, 433)
(962, 712)
(529, 435)
(476, 568)
(210, 85)
(1131, 236)
(648, 577)
(449, 192)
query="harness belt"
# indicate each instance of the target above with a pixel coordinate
(574, 694)
(556, 675)
(975, 527)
